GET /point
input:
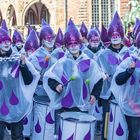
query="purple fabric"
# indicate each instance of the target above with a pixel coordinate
(85, 91)
(84, 65)
(43, 23)
(137, 31)
(87, 136)
(136, 25)
(49, 118)
(72, 34)
(111, 116)
(71, 137)
(4, 36)
(37, 127)
(46, 32)
(116, 26)
(32, 42)
(43, 62)
(4, 109)
(138, 40)
(64, 79)
(13, 99)
(17, 37)
(4, 25)
(104, 35)
(119, 130)
(83, 30)
(93, 33)
(59, 37)
(112, 59)
(1, 85)
(25, 121)
(67, 101)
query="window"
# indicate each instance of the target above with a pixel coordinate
(102, 11)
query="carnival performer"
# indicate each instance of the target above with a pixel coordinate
(17, 41)
(108, 60)
(94, 48)
(59, 48)
(84, 32)
(104, 37)
(18, 82)
(74, 81)
(32, 43)
(126, 89)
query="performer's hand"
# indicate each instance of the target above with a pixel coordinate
(59, 88)
(23, 59)
(92, 99)
(133, 64)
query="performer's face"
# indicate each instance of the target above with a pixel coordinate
(116, 38)
(94, 42)
(5, 46)
(74, 47)
(19, 45)
(48, 43)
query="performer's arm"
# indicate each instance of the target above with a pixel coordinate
(97, 89)
(53, 84)
(26, 74)
(122, 77)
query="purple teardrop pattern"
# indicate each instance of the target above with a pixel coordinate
(71, 137)
(4, 109)
(67, 101)
(1, 85)
(13, 99)
(132, 81)
(111, 116)
(49, 118)
(85, 91)
(37, 127)
(84, 65)
(25, 121)
(112, 59)
(120, 130)
(87, 136)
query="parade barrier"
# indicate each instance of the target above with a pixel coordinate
(76, 126)
(117, 127)
(41, 129)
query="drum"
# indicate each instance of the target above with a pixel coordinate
(42, 130)
(117, 128)
(76, 126)
(28, 124)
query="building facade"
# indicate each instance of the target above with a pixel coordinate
(20, 13)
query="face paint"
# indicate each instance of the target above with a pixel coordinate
(48, 44)
(5, 46)
(116, 38)
(19, 45)
(94, 42)
(74, 48)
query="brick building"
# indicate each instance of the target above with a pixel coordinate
(18, 13)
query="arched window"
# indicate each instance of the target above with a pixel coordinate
(11, 16)
(31, 17)
(45, 14)
(35, 13)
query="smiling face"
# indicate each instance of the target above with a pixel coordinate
(116, 38)
(48, 42)
(73, 47)
(5, 46)
(94, 42)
